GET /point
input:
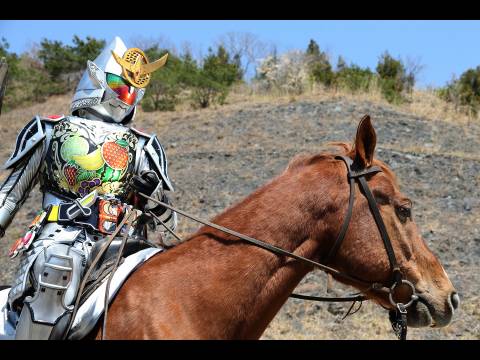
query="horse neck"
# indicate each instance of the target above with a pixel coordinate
(261, 282)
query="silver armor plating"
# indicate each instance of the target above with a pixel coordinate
(93, 307)
(16, 187)
(30, 136)
(157, 155)
(57, 273)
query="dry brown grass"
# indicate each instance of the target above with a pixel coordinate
(422, 103)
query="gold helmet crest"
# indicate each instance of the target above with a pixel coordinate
(136, 68)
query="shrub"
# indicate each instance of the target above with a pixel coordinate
(318, 64)
(207, 91)
(31, 83)
(265, 77)
(394, 79)
(208, 84)
(164, 87)
(213, 80)
(354, 78)
(220, 68)
(464, 92)
(293, 71)
(27, 79)
(60, 60)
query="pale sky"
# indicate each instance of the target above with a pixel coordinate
(444, 48)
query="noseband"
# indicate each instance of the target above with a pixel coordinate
(398, 316)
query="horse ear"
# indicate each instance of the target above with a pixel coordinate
(365, 142)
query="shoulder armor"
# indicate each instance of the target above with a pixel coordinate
(141, 133)
(157, 154)
(30, 136)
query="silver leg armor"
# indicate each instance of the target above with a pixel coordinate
(55, 277)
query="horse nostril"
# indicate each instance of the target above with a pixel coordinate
(455, 299)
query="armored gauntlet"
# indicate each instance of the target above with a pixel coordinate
(146, 183)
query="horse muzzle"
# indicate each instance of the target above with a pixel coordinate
(430, 311)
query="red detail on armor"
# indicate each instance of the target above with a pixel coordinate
(70, 173)
(17, 245)
(108, 216)
(54, 117)
(35, 221)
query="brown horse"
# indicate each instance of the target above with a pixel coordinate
(215, 286)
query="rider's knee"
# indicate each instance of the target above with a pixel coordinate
(56, 276)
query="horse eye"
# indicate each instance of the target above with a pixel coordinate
(403, 213)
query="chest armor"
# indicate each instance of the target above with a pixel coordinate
(85, 155)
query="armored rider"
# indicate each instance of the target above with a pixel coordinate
(90, 166)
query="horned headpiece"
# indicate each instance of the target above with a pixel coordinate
(114, 82)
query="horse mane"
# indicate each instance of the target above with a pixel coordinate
(329, 150)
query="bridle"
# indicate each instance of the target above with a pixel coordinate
(398, 316)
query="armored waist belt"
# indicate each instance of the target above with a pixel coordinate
(97, 214)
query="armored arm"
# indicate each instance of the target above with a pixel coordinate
(24, 163)
(152, 160)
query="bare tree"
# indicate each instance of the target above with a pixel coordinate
(193, 51)
(186, 48)
(246, 45)
(32, 50)
(161, 41)
(413, 67)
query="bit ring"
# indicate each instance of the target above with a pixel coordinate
(412, 299)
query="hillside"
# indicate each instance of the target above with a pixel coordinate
(218, 156)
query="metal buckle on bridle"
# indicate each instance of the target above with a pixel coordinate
(398, 317)
(412, 298)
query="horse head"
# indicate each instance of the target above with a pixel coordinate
(362, 253)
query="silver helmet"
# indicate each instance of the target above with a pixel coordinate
(114, 83)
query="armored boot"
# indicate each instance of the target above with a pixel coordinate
(57, 275)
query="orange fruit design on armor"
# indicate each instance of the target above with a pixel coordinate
(115, 155)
